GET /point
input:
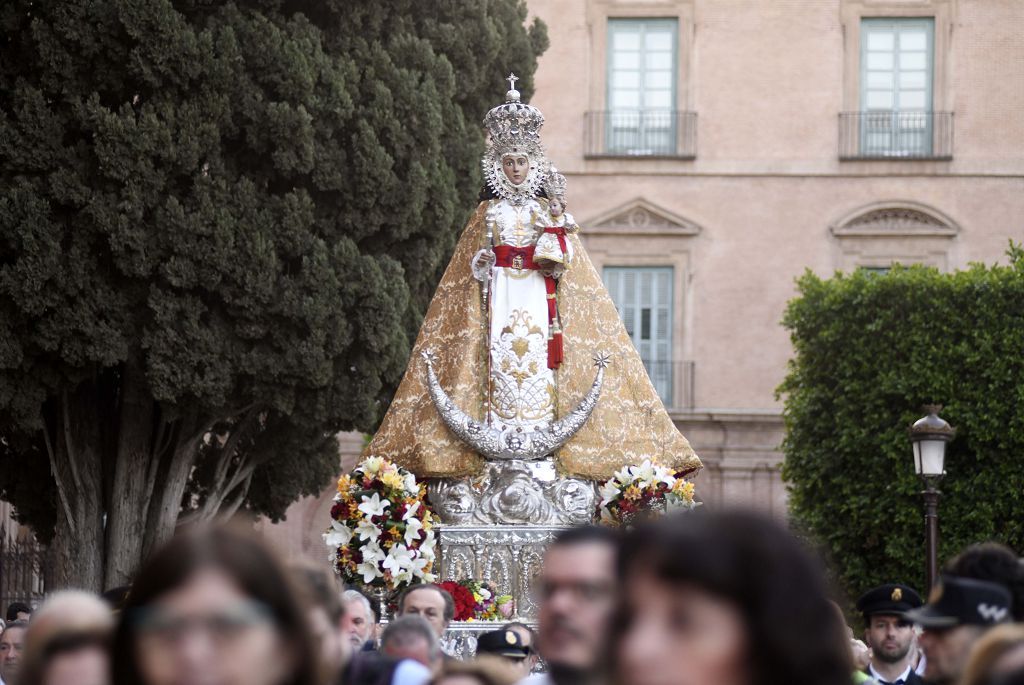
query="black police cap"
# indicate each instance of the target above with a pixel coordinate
(506, 643)
(892, 599)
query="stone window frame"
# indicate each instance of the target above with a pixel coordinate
(598, 14)
(944, 14)
(879, 234)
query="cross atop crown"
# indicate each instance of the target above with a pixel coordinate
(511, 78)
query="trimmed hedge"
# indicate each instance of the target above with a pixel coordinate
(870, 350)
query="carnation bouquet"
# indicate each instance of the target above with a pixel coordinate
(381, 533)
(638, 492)
(478, 600)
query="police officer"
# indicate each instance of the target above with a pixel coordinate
(890, 636)
(507, 644)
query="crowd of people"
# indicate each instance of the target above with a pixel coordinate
(701, 598)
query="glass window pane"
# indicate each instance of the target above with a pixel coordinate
(913, 99)
(880, 40)
(626, 39)
(913, 39)
(658, 39)
(625, 99)
(913, 79)
(879, 60)
(659, 60)
(658, 99)
(879, 80)
(913, 60)
(626, 60)
(879, 99)
(625, 79)
(659, 79)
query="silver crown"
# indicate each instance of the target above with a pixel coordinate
(554, 185)
(514, 124)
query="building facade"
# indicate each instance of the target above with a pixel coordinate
(716, 149)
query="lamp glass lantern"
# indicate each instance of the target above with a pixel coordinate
(929, 436)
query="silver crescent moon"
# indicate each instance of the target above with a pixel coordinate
(513, 444)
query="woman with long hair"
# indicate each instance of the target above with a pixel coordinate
(723, 599)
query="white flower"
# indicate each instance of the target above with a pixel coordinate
(418, 564)
(410, 484)
(609, 491)
(374, 506)
(337, 535)
(372, 466)
(663, 475)
(485, 593)
(369, 571)
(644, 473)
(372, 552)
(426, 548)
(366, 530)
(398, 559)
(411, 511)
(412, 530)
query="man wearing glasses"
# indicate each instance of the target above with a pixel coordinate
(575, 594)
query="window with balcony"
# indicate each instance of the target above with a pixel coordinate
(641, 119)
(643, 296)
(896, 119)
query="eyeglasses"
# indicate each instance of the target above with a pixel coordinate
(580, 591)
(222, 626)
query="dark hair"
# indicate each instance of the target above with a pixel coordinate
(753, 563)
(995, 563)
(15, 608)
(406, 629)
(319, 587)
(585, 535)
(247, 562)
(449, 603)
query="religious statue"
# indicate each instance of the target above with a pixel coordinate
(522, 358)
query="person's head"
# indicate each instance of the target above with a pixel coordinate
(724, 598)
(430, 601)
(889, 635)
(485, 670)
(213, 607)
(528, 637)
(505, 644)
(319, 590)
(359, 626)
(67, 641)
(575, 594)
(12, 644)
(556, 206)
(411, 637)
(995, 563)
(18, 611)
(958, 612)
(997, 655)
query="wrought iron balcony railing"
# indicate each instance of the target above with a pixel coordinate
(895, 135)
(674, 381)
(641, 133)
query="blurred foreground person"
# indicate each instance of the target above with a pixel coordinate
(18, 611)
(360, 625)
(67, 642)
(724, 599)
(486, 670)
(575, 594)
(213, 607)
(412, 637)
(998, 657)
(12, 643)
(957, 614)
(995, 563)
(889, 635)
(320, 591)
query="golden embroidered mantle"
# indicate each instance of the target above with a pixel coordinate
(628, 425)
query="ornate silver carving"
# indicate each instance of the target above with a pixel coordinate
(513, 443)
(514, 492)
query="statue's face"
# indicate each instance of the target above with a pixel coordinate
(516, 168)
(556, 206)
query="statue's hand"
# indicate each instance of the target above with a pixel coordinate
(482, 263)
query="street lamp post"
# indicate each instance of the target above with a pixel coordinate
(929, 436)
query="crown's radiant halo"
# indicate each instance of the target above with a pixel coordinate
(513, 128)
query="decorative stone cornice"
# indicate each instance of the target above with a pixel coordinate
(640, 217)
(895, 219)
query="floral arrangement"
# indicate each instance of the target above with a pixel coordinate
(477, 600)
(637, 492)
(381, 533)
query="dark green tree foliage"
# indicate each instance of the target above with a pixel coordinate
(221, 223)
(870, 351)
